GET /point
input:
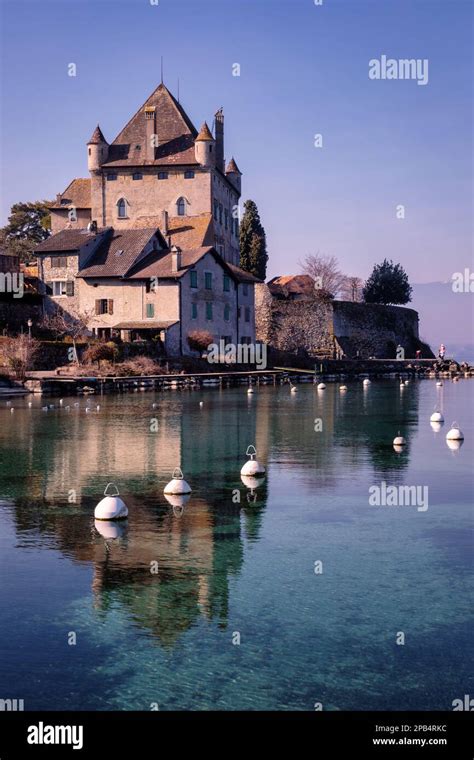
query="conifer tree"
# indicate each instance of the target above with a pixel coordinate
(253, 244)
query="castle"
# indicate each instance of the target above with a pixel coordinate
(149, 244)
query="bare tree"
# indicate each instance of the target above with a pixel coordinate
(73, 325)
(19, 354)
(352, 289)
(324, 270)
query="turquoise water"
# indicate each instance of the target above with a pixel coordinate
(230, 569)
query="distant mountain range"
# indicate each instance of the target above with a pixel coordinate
(445, 317)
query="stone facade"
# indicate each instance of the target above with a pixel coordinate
(336, 329)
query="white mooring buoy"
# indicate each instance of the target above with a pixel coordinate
(250, 389)
(407, 382)
(343, 388)
(201, 404)
(12, 410)
(399, 440)
(177, 485)
(455, 434)
(439, 383)
(252, 467)
(436, 416)
(366, 381)
(321, 386)
(111, 507)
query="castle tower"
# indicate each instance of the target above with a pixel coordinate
(234, 174)
(97, 150)
(204, 146)
(219, 117)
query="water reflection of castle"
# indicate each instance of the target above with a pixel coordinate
(199, 551)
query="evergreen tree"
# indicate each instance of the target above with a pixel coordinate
(28, 224)
(253, 244)
(387, 284)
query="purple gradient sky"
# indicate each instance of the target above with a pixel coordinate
(304, 70)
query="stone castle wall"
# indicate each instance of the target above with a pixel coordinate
(336, 328)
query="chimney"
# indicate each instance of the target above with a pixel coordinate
(175, 258)
(151, 136)
(164, 223)
(219, 121)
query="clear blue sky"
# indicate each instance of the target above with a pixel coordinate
(304, 70)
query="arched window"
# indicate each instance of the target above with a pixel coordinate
(181, 206)
(122, 208)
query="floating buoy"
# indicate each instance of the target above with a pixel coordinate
(455, 434)
(366, 381)
(454, 445)
(111, 507)
(250, 390)
(12, 410)
(201, 404)
(97, 408)
(436, 417)
(293, 388)
(30, 404)
(402, 384)
(252, 467)
(153, 406)
(177, 484)
(44, 408)
(343, 387)
(60, 402)
(321, 387)
(407, 382)
(399, 440)
(87, 409)
(439, 383)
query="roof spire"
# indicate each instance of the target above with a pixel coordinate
(161, 69)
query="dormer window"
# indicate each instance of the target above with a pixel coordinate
(137, 175)
(181, 206)
(189, 174)
(111, 177)
(162, 175)
(122, 208)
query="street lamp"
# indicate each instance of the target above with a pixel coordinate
(30, 325)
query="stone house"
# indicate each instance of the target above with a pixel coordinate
(148, 246)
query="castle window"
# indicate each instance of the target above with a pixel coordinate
(194, 278)
(137, 175)
(210, 148)
(247, 314)
(189, 174)
(208, 280)
(89, 151)
(150, 310)
(162, 175)
(104, 306)
(59, 262)
(59, 288)
(111, 177)
(209, 311)
(226, 217)
(227, 312)
(216, 210)
(226, 282)
(220, 212)
(245, 289)
(122, 208)
(194, 311)
(181, 207)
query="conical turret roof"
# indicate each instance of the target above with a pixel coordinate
(97, 137)
(232, 167)
(204, 133)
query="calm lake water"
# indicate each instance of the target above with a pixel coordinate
(227, 568)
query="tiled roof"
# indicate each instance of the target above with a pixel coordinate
(117, 253)
(294, 283)
(232, 167)
(241, 275)
(77, 194)
(176, 135)
(144, 325)
(67, 240)
(204, 133)
(97, 137)
(185, 231)
(159, 264)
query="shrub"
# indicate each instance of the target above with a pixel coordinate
(19, 354)
(98, 352)
(199, 340)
